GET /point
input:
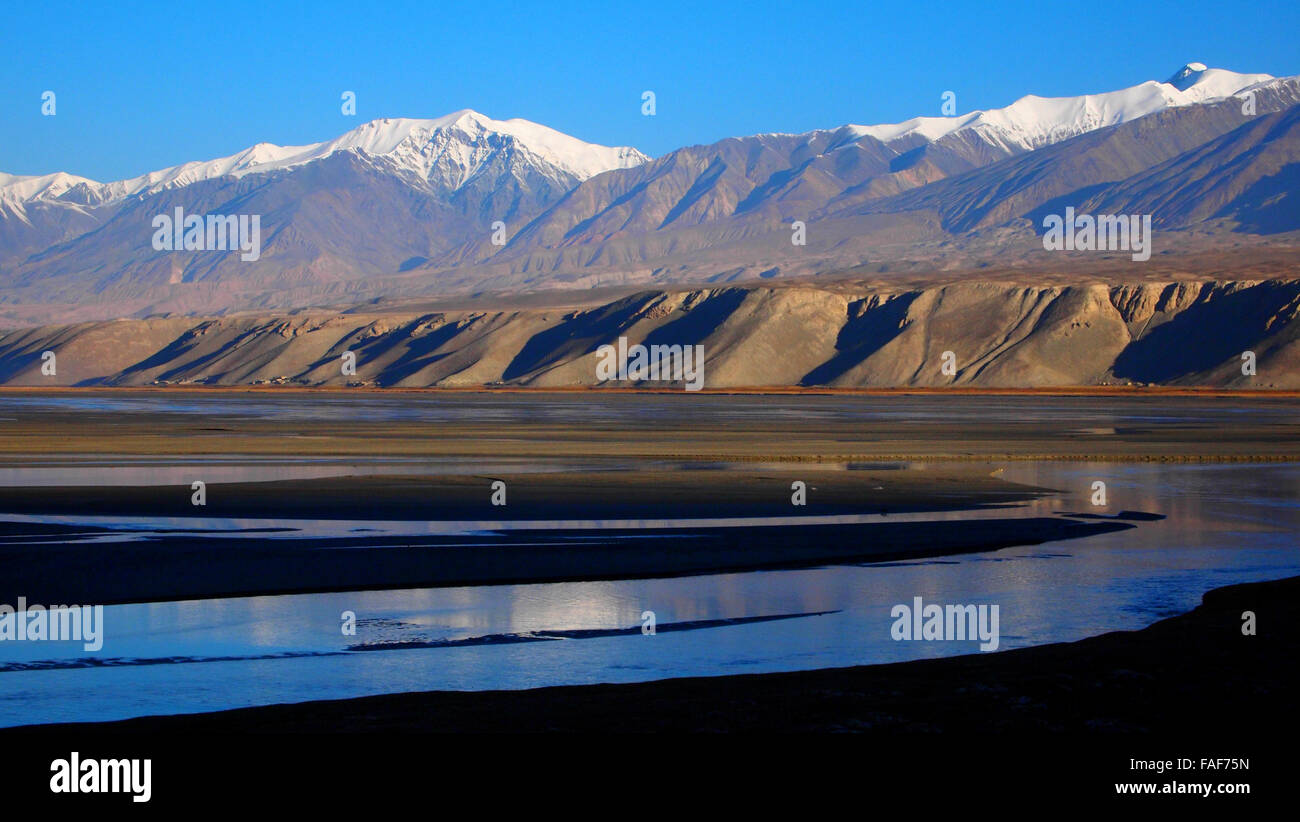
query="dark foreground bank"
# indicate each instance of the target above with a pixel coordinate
(1190, 677)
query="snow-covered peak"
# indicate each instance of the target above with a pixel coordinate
(1197, 83)
(446, 150)
(465, 138)
(449, 151)
(18, 188)
(1032, 122)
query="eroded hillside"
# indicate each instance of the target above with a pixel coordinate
(999, 335)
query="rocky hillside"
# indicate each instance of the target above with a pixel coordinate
(1000, 335)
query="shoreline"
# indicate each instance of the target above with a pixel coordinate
(759, 390)
(631, 426)
(161, 568)
(1194, 672)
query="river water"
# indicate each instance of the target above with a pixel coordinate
(1225, 523)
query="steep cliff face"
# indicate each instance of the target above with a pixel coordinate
(964, 334)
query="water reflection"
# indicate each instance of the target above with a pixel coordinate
(1226, 524)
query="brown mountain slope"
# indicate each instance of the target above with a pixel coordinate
(999, 335)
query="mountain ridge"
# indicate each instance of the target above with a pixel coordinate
(382, 137)
(1022, 122)
(456, 205)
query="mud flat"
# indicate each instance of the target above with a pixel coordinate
(1104, 426)
(70, 566)
(562, 527)
(555, 495)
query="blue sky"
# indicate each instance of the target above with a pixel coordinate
(147, 85)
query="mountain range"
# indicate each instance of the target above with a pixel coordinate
(464, 205)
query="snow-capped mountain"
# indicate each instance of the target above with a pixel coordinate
(1032, 122)
(446, 152)
(449, 151)
(412, 207)
(774, 178)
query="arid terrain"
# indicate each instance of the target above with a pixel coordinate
(846, 334)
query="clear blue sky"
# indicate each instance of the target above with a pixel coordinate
(148, 85)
